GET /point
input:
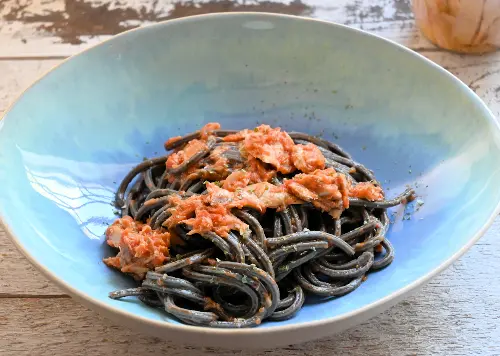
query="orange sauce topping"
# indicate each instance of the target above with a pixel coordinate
(141, 248)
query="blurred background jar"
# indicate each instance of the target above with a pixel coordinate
(467, 26)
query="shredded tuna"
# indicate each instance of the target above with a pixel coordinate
(182, 209)
(193, 172)
(366, 190)
(191, 148)
(237, 137)
(272, 196)
(218, 168)
(206, 130)
(242, 169)
(141, 248)
(271, 146)
(215, 167)
(308, 158)
(237, 179)
(215, 218)
(212, 211)
(238, 199)
(325, 189)
(258, 171)
(265, 145)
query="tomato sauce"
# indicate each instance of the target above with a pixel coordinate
(325, 189)
(271, 146)
(179, 157)
(366, 190)
(307, 158)
(141, 248)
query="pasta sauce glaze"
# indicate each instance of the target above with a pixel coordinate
(141, 248)
(240, 169)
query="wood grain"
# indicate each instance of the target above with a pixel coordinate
(61, 27)
(16, 76)
(18, 276)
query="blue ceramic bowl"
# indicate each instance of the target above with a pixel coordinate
(71, 137)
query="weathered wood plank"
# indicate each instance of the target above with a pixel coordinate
(457, 314)
(19, 277)
(480, 73)
(59, 27)
(16, 76)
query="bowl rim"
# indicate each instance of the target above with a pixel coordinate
(361, 312)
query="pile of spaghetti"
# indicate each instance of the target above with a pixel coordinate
(232, 228)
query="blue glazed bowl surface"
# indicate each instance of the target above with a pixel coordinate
(69, 140)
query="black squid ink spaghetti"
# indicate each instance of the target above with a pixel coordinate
(232, 228)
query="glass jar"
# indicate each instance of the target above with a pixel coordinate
(467, 26)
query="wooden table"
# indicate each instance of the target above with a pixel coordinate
(456, 314)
